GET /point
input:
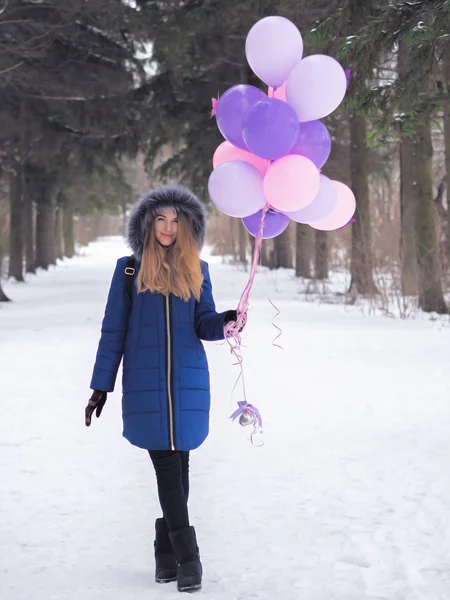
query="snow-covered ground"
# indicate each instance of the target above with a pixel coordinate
(348, 499)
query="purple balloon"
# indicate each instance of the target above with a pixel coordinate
(232, 109)
(322, 205)
(348, 73)
(314, 142)
(352, 220)
(271, 129)
(274, 223)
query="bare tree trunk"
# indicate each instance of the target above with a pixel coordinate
(44, 233)
(408, 203)
(338, 167)
(252, 241)
(321, 262)
(282, 250)
(68, 230)
(265, 254)
(40, 187)
(235, 224)
(408, 254)
(30, 259)
(16, 247)
(52, 240)
(303, 251)
(58, 232)
(361, 265)
(431, 298)
(446, 108)
(242, 244)
(3, 296)
(441, 215)
(59, 238)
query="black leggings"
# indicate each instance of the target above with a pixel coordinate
(172, 476)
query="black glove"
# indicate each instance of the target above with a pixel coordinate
(96, 402)
(231, 315)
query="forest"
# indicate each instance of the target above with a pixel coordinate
(101, 99)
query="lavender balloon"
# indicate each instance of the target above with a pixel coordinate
(314, 142)
(322, 205)
(236, 188)
(270, 129)
(274, 223)
(232, 109)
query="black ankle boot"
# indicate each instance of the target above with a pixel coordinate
(166, 565)
(190, 569)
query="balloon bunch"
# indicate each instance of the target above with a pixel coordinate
(269, 166)
(267, 172)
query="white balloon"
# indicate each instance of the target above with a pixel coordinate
(273, 46)
(315, 87)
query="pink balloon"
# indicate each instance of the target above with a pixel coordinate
(291, 183)
(342, 212)
(279, 93)
(226, 152)
(236, 188)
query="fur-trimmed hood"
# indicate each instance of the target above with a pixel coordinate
(181, 199)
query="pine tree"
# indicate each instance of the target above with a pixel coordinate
(423, 26)
(70, 92)
(446, 112)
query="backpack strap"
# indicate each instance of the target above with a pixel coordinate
(129, 276)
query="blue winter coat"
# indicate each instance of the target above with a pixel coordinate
(166, 393)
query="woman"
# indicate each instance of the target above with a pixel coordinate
(157, 329)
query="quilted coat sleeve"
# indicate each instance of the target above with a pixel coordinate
(208, 323)
(114, 330)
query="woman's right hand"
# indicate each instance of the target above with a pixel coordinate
(232, 315)
(96, 402)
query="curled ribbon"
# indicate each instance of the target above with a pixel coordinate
(274, 343)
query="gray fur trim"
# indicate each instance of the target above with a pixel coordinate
(181, 199)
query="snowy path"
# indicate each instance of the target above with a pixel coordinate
(349, 499)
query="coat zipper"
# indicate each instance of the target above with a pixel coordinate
(170, 408)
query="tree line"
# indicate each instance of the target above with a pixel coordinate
(88, 86)
(395, 118)
(71, 96)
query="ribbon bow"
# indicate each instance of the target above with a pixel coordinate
(215, 104)
(244, 407)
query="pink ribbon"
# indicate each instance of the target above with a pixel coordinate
(276, 326)
(215, 104)
(232, 329)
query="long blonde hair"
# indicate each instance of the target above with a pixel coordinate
(175, 270)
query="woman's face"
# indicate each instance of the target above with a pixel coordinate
(166, 225)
